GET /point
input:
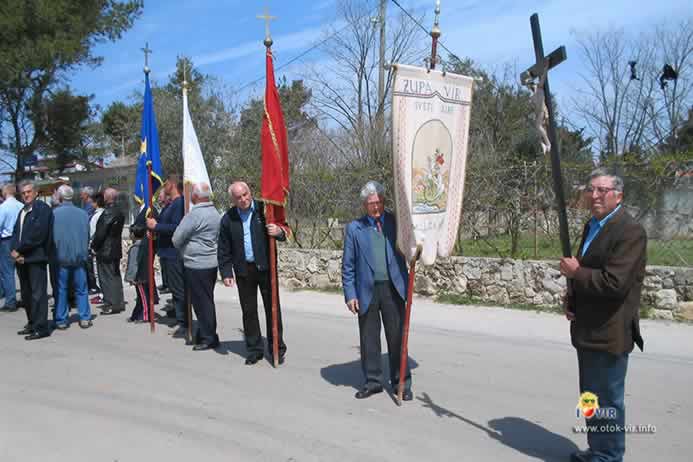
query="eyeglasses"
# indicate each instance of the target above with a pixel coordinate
(602, 191)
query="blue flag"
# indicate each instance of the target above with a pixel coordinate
(149, 151)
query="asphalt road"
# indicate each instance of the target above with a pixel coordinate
(490, 384)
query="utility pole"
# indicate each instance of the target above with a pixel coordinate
(381, 70)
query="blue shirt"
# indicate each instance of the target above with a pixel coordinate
(9, 211)
(595, 226)
(246, 218)
(89, 209)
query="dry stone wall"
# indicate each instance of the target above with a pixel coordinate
(502, 281)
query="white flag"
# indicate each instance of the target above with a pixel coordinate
(430, 131)
(194, 170)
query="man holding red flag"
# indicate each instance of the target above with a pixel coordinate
(244, 258)
(274, 191)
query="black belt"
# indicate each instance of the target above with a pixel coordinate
(5, 238)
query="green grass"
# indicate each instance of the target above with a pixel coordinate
(676, 252)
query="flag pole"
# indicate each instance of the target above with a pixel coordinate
(150, 234)
(152, 325)
(186, 201)
(405, 327)
(269, 214)
(188, 303)
(404, 355)
(270, 217)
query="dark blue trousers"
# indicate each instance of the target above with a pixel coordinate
(604, 374)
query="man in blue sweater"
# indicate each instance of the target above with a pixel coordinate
(71, 239)
(171, 261)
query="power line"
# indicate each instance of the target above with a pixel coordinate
(306, 51)
(426, 31)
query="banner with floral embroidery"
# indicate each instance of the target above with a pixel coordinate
(430, 132)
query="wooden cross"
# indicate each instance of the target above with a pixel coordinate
(147, 51)
(540, 70)
(267, 18)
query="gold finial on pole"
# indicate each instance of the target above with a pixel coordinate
(435, 35)
(435, 32)
(268, 38)
(147, 51)
(185, 75)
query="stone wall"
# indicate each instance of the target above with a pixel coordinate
(495, 280)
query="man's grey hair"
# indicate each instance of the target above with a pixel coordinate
(9, 188)
(87, 190)
(617, 180)
(370, 188)
(201, 190)
(65, 193)
(24, 183)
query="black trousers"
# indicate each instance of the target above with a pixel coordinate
(247, 292)
(111, 284)
(164, 274)
(388, 305)
(142, 301)
(91, 275)
(33, 286)
(201, 283)
(175, 281)
(53, 270)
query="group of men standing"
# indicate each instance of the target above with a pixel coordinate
(194, 247)
(38, 240)
(605, 279)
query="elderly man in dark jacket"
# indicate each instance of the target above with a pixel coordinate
(244, 259)
(607, 279)
(71, 239)
(171, 261)
(108, 248)
(31, 245)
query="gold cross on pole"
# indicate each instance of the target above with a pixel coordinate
(267, 18)
(147, 51)
(185, 73)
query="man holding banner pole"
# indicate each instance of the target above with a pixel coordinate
(374, 276)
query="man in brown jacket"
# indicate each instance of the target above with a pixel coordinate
(606, 279)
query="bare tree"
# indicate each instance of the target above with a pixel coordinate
(347, 96)
(621, 101)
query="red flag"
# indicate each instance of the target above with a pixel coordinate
(275, 150)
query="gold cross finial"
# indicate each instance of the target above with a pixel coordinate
(185, 74)
(267, 18)
(147, 51)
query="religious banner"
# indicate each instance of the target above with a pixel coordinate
(430, 133)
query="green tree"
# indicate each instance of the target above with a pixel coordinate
(66, 119)
(41, 41)
(120, 123)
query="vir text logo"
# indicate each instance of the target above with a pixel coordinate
(588, 407)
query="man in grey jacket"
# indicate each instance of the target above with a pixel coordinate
(71, 239)
(196, 239)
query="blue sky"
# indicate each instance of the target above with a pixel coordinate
(224, 38)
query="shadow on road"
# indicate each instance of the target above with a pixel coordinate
(350, 374)
(515, 432)
(232, 346)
